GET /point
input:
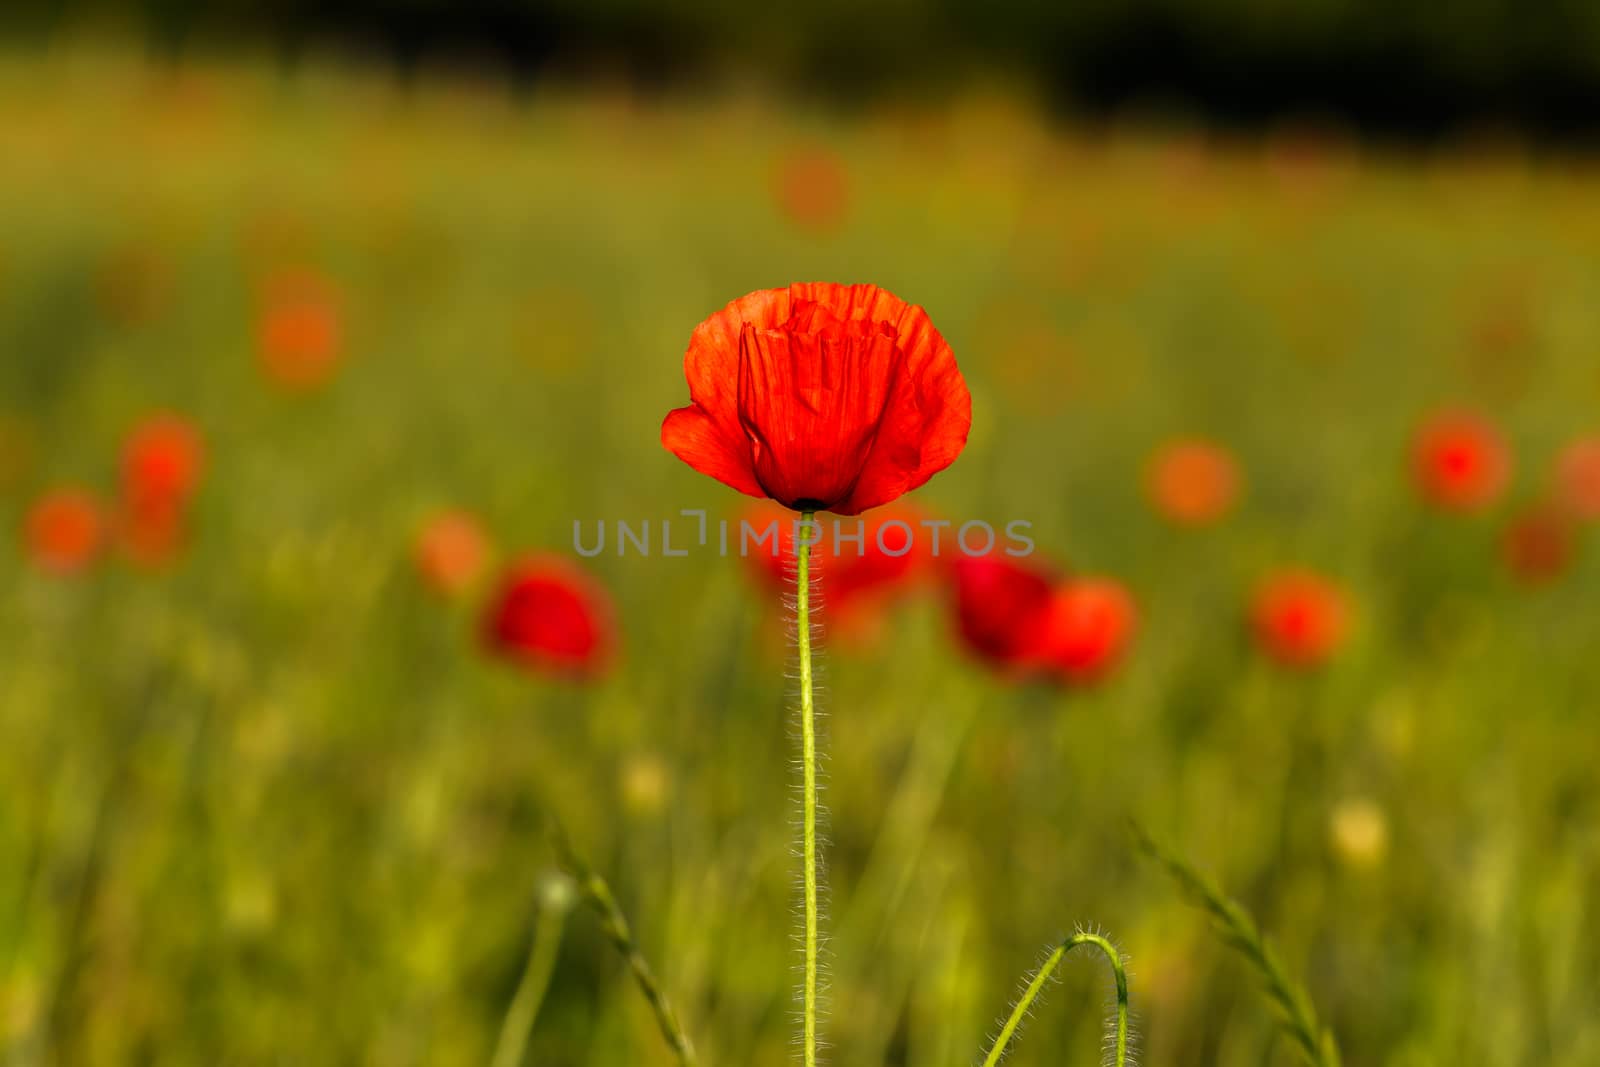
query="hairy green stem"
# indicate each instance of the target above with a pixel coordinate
(808, 759)
(524, 1009)
(1042, 976)
(597, 894)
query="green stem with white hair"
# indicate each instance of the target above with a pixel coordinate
(1118, 1044)
(808, 762)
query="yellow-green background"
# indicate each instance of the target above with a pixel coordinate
(274, 807)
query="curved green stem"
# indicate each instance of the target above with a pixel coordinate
(1037, 983)
(808, 759)
(524, 1009)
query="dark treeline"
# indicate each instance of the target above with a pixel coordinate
(1392, 69)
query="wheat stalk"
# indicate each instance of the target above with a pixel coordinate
(1297, 1019)
(594, 892)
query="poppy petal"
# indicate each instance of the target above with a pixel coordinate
(1003, 609)
(699, 440)
(712, 362)
(812, 405)
(929, 417)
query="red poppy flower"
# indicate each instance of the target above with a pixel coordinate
(299, 335)
(812, 189)
(1578, 477)
(858, 580)
(1299, 618)
(1091, 622)
(820, 396)
(161, 466)
(550, 615)
(1192, 481)
(63, 530)
(451, 551)
(1460, 461)
(1538, 545)
(1004, 610)
(161, 461)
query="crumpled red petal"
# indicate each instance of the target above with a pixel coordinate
(812, 404)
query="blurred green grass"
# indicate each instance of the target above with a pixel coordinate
(274, 806)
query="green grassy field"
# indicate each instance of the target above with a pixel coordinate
(273, 804)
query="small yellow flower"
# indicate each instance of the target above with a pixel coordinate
(644, 782)
(1359, 831)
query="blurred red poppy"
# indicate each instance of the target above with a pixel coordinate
(549, 615)
(161, 461)
(1091, 622)
(820, 396)
(857, 581)
(63, 530)
(1299, 617)
(1460, 461)
(1539, 544)
(1004, 610)
(1578, 477)
(299, 336)
(451, 551)
(1192, 481)
(812, 189)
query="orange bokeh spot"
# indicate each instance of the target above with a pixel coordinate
(64, 530)
(1299, 618)
(1192, 481)
(1460, 461)
(161, 460)
(451, 551)
(299, 333)
(1578, 478)
(812, 189)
